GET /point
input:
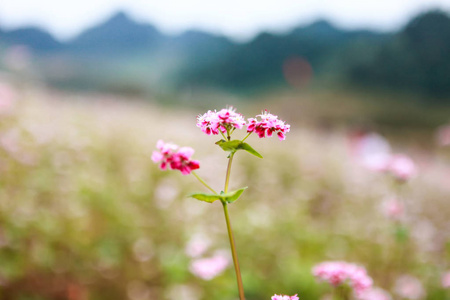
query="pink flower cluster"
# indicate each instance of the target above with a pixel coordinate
(284, 297)
(375, 294)
(393, 208)
(223, 120)
(409, 287)
(7, 98)
(213, 122)
(208, 268)
(268, 125)
(339, 272)
(443, 136)
(399, 166)
(446, 280)
(175, 159)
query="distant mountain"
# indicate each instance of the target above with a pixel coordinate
(260, 62)
(121, 53)
(119, 34)
(32, 37)
(320, 29)
(416, 59)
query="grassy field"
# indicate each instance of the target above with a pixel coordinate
(86, 214)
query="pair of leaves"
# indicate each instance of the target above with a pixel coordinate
(229, 197)
(235, 145)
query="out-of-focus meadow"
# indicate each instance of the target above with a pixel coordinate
(85, 213)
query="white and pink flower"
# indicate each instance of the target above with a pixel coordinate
(375, 294)
(208, 268)
(409, 287)
(175, 159)
(401, 167)
(284, 297)
(8, 97)
(446, 280)
(226, 119)
(339, 272)
(268, 125)
(393, 208)
(443, 136)
(197, 246)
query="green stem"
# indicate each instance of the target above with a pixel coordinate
(204, 183)
(227, 178)
(234, 253)
(246, 136)
(230, 233)
(222, 134)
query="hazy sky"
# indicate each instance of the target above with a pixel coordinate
(240, 19)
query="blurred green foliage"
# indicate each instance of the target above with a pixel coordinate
(85, 214)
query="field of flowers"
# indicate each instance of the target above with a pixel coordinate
(86, 214)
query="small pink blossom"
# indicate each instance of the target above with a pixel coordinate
(268, 125)
(393, 208)
(7, 98)
(174, 159)
(371, 150)
(401, 167)
(409, 287)
(226, 119)
(197, 246)
(443, 136)
(446, 280)
(208, 122)
(375, 294)
(284, 297)
(339, 272)
(208, 268)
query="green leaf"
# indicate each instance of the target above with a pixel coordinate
(231, 146)
(235, 145)
(210, 198)
(229, 197)
(249, 149)
(232, 196)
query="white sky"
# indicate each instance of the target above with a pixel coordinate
(240, 19)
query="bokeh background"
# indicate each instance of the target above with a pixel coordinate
(87, 89)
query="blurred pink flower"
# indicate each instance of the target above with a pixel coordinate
(10, 141)
(401, 167)
(284, 297)
(197, 246)
(227, 118)
(339, 272)
(374, 152)
(375, 294)
(7, 97)
(371, 149)
(393, 208)
(208, 268)
(268, 125)
(175, 160)
(409, 287)
(443, 136)
(446, 280)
